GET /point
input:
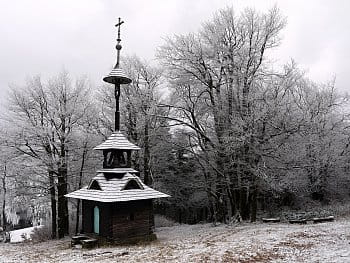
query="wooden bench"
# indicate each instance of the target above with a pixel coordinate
(83, 241)
(89, 243)
(271, 220)
(323, 219)
(298, 221)
(76, 240)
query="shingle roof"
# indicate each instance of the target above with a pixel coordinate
(117, 75)
(117, 141)
(112, 190)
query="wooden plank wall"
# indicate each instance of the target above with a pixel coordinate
(87, 216)
(120, 220)
(132, 219)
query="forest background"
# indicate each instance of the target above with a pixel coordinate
(223, 129)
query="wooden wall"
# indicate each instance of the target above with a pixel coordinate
(132, 219)
(87, 216)
(120, 220)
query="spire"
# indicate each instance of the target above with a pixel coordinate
(118, 46)
(117, 77)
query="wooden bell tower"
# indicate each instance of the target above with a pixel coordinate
(116, 204)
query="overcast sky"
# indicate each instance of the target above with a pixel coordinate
(43, 37)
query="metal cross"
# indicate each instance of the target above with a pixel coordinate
(120, 22)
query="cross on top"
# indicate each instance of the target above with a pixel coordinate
(120, 22)
(118, 46)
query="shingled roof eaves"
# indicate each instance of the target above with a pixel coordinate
(108, 196)
(117, 75)
(112, 190)
(117, 141)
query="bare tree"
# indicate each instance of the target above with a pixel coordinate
(222, 64)
(44, 116)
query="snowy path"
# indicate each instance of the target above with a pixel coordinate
(326, 242)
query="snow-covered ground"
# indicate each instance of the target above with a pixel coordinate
(282, 242)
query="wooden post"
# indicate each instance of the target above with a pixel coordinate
(117, 112)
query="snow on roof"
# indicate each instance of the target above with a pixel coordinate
(117, 141)
(112, 190)
(117, 75)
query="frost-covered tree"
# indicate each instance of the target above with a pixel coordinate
(219, 67)
(42, 119)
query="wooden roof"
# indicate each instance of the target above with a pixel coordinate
(117, 75)
(117, 141)
(112, 190)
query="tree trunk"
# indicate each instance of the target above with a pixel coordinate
(62, 188)
(244, 202)
(220, 126)
(79, 186)
(254, 203)
(146, 156)
(62, 203)
(53, 205)
(4, 221)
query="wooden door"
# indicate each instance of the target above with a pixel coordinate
(96, 220)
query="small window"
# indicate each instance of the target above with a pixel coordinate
(109, 159)
(132, 184)
(110, 176)
(121, 159)
(115, 159)
(94, 185)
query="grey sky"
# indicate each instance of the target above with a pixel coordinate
(43, 37)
